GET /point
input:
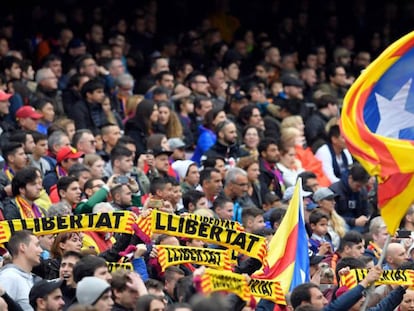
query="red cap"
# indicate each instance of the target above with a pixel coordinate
(67, 152)
(4, 96)
(28, 112)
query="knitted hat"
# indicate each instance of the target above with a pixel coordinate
(90, 289)
(181, 167)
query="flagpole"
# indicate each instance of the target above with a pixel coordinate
(371, 289)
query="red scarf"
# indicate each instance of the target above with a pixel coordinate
(26, 209)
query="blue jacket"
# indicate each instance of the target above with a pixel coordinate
(206, 139)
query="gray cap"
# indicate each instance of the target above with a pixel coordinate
(291, 80)
(175, 143)
(90, 289)
(288, 194)
(323, 194)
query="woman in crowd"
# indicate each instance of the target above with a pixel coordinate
(131, 106)
(64, 242)
(294, 136)
(66, 125)
(169, 121)
(143, 124)
(251, 139)
(111, 115)
(207, 136)
(289, 165)
(95, 164)
(251, 165)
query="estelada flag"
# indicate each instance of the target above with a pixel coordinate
(288, 256)
(377, 122)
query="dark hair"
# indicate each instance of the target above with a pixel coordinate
(10, 148)
(184, 289)
(358, 173)
(210, 116)
(265, 143)
(38, 136)
(56, 251)
(325, 100)
(81, 59)
(351, 262)
(248, 127)
(91, 86)
(305, 176)
(158, 183)
(8, 61)
(20, 136)
(87, 267)
(125, 140)
(316, 215)
(41, 102)
(64, 182)
(155, 284)
(76, 170)
(160, 90)
(220, 201)
(199, 99)
(89, 183)
(75, 79)
(246, 112)
(301, 293)
(144, 302)
(17, 238)
(72, 254)
(143, 114)
(334, 131)
(349, 239)
(23, 177)
(251, 211)
(205, 174)
(159, 76)
(211, 162)
(171, 271)
(276, 215)
(118, 152)
(120, 278)
(192, 196)
(222, 125)
(330, 70)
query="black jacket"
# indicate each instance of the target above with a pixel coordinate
(226, 152)
(82, 114)
(138, 134)
(268, 181)
(349, 204)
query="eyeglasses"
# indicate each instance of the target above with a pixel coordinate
(241, 184)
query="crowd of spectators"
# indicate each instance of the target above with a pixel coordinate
(215, 109)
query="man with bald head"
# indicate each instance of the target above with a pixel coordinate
(396, 255)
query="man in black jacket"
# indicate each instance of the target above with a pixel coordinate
(88, 113)
(226, 145)
(270, 177)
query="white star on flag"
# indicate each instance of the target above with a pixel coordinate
(393, 116)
